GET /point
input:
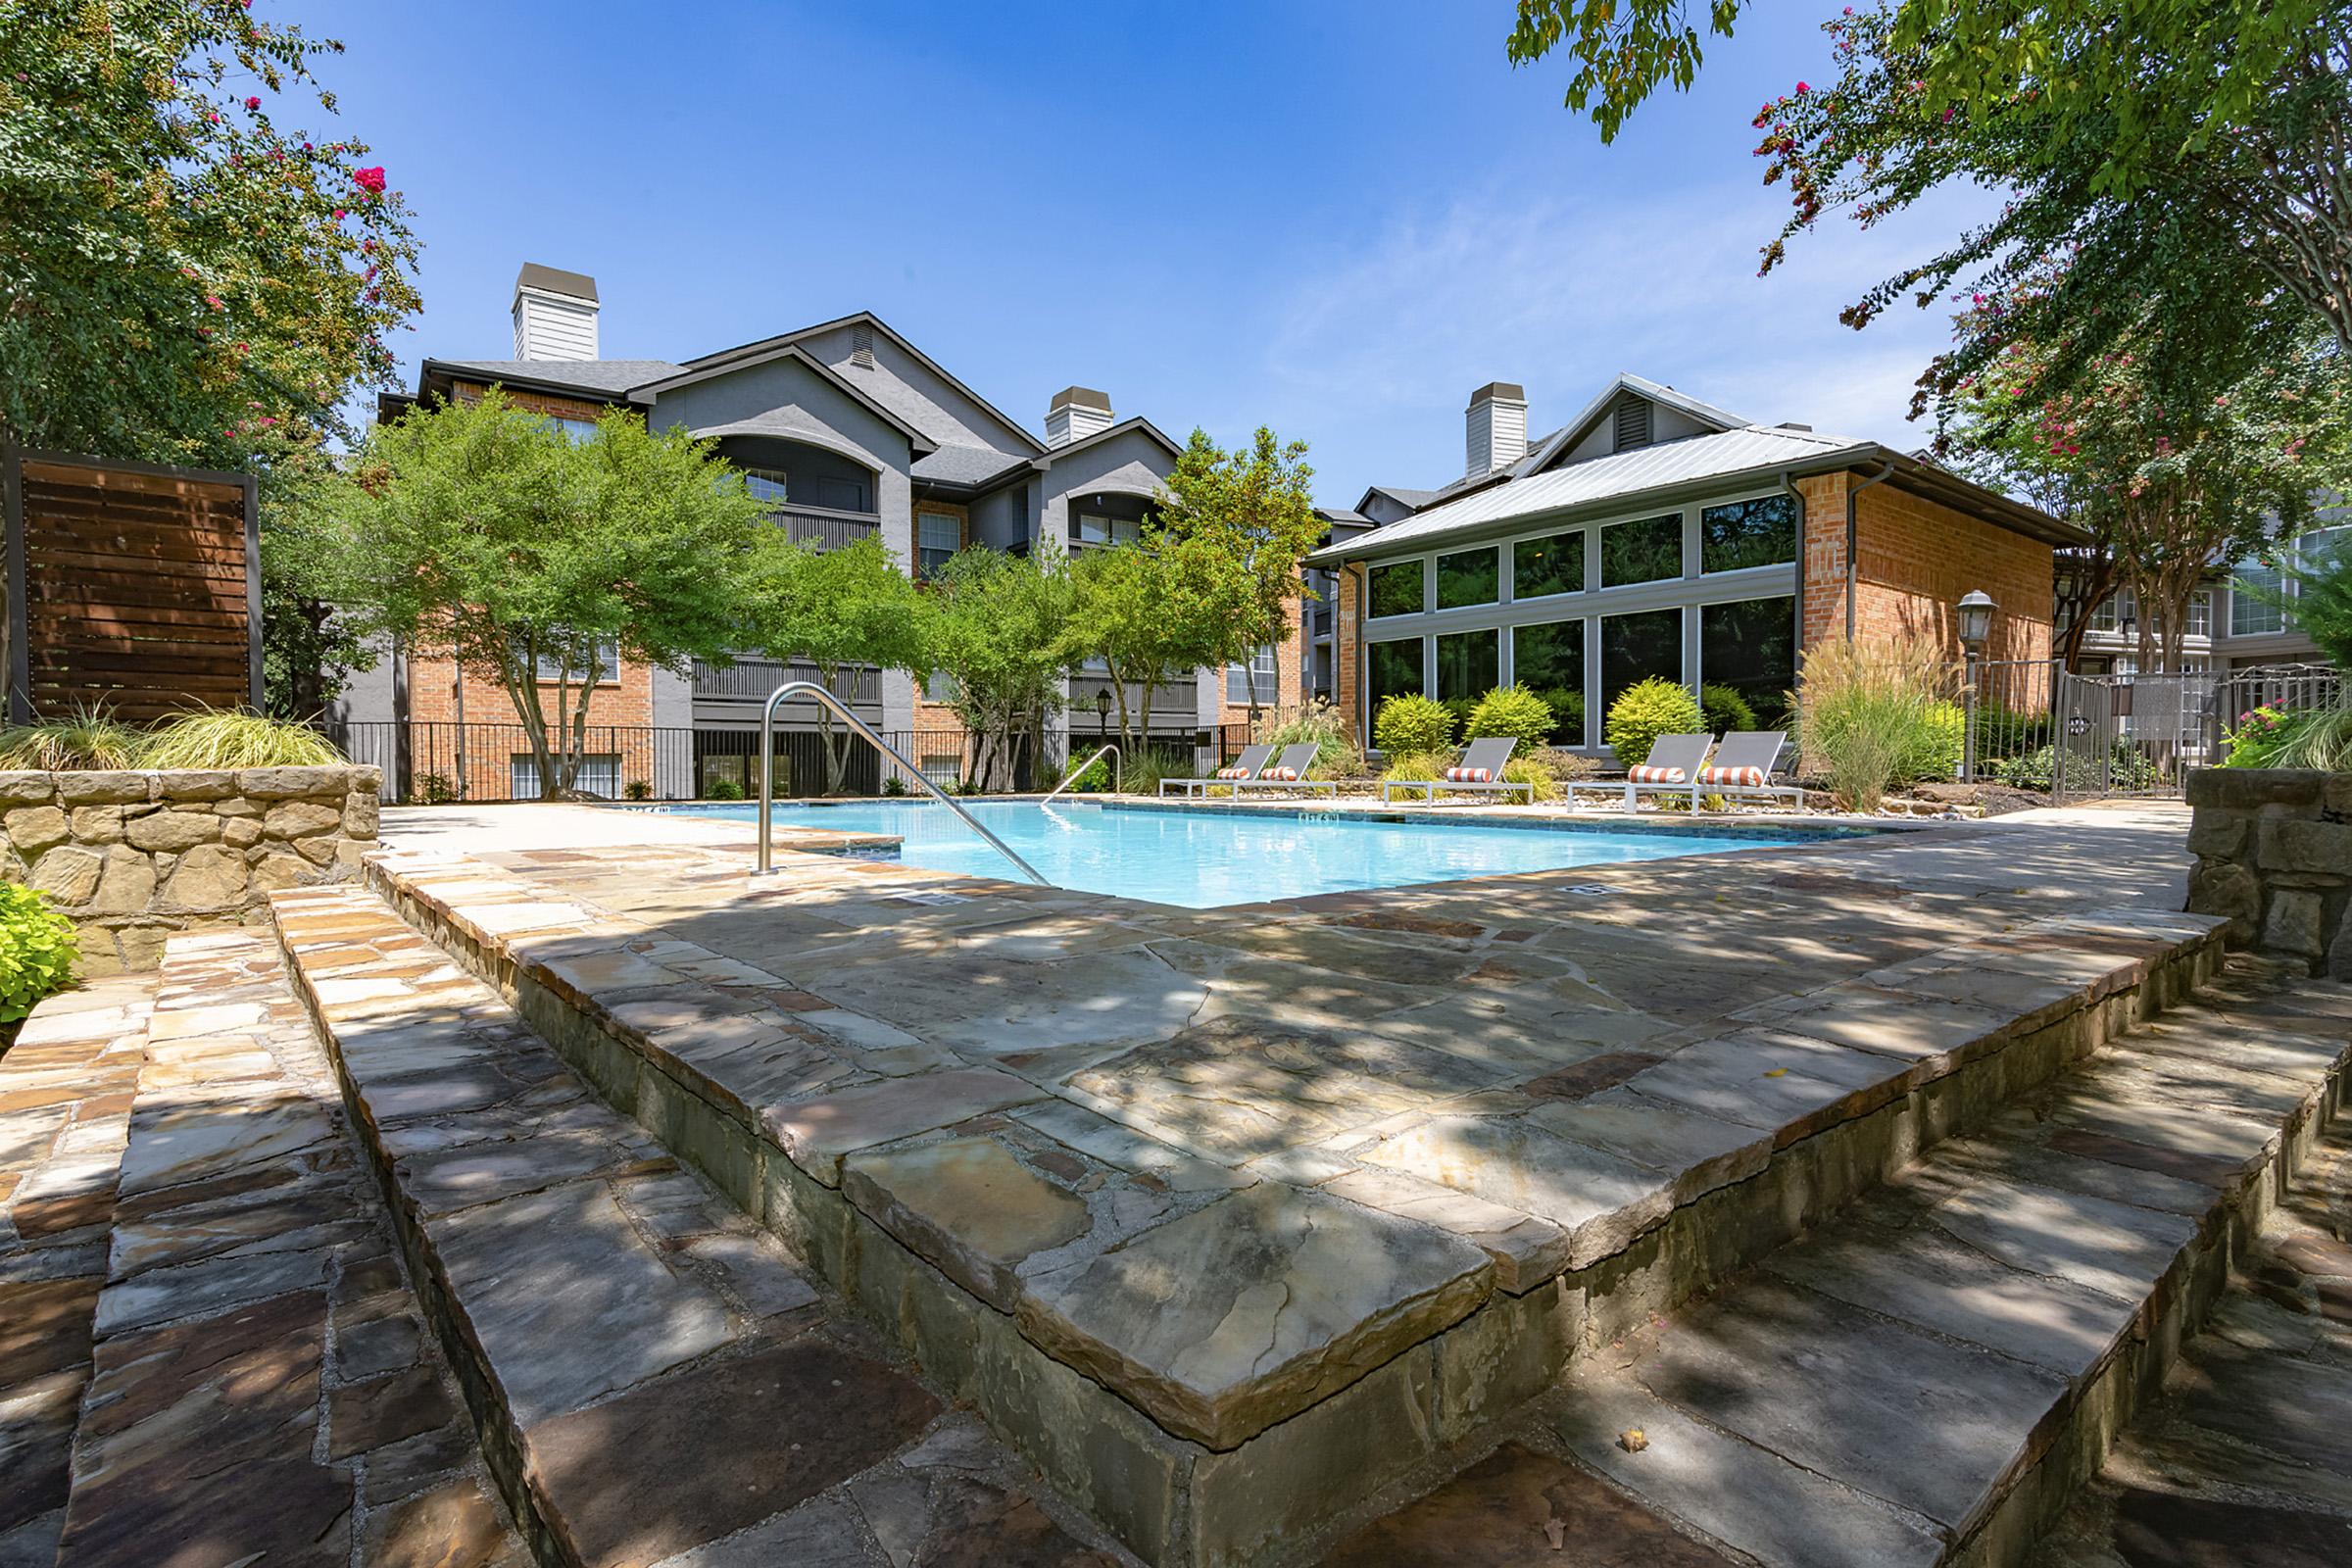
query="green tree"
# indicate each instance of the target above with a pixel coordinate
(1147, 612)
(837, 608)
(185, 275)
(1250, 514)
(477, 531)
(991, 624)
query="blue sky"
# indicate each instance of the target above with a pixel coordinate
(1337, 218)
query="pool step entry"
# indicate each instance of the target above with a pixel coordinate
(1929, 1378)
(653, 1379)
(1222, 1365)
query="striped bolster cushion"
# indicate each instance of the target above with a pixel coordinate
(1469, 775)
(1233, 772)
(1748, 777)
(1646, 774)
(1280, 774)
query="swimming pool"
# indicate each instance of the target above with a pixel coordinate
(1204, 859)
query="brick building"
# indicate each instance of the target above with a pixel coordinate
(848, 430)
(1657, 535)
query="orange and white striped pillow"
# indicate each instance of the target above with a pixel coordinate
(1469, 775)
(1280, 774)
(1233, 772)
(1646, 775)
(1746, 777)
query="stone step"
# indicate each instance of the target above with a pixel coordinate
(1928, 1377)
(254, 1339)
(652, 1378)
(65, 1109)
(1269, 1267)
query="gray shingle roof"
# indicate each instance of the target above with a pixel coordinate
(966, 464)
(606, 376)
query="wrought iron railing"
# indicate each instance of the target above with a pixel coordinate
(750, 680)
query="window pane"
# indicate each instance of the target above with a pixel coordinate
(1549, 660)
(1752, 647)
(1648, 551)
(1093, 530)
(608, 663)
(1748, 533)
(1468, 578)
(1634, 648)
(938, 536)
(1552, 564)
(1397, 589)
(2200, 613)
(2249, 616)
(765, 484)
(1468, 665)
(1390, 668)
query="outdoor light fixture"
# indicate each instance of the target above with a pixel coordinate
(1102, 708)
(1976, 620)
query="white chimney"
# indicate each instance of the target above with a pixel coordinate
(555, 313)
(1076, 413)
(1495, 434)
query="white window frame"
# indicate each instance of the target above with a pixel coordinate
(924, 551)
(550, 672)
(598, 774)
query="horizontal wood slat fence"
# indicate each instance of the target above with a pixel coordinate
(130, 587)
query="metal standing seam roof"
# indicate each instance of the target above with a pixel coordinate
(1621, 474)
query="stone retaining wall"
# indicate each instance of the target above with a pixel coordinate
(133, 855)
(2274, 849)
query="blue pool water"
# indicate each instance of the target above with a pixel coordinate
(1203, 860)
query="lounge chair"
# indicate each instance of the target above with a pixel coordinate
(1245, 768)
(1287, 772)
(1673, 767)
(1479, 772)
(1742, 769)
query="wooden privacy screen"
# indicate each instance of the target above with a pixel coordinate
(129, 587)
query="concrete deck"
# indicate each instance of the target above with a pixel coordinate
(1232, 1166)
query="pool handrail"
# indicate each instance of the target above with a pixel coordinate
(857, 726)
(1112, 751)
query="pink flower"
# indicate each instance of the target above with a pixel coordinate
(1802, 88)
(370, 180)
(212, 118)
(253, 103)
(214, 299)
(341, 214)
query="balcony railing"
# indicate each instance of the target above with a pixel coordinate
(1174, 705)
(750, 680)
(824, 528)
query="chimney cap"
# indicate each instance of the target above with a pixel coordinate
(1505, 391)
(555, 280)
(1080, 397)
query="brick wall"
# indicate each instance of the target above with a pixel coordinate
(1824, 573)
(1290, 683)
(1919, 556)
(1346, 651)
(931, 716)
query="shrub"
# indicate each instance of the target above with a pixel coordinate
(37, 948)
(1865, 710)
(1723, 710)
(637, 789)
(1567, 768)
(1461, 708)
(1541, 783)
(2128, 768)
(1934, 751)
(1408, 723)
(2266, 737)
(1142, 773)
(224, 738)
(2005, 731)
(1336, 753)
(434, 788)
(722, 789)
(86, 738)
(1417, 768)
(1642, 712)
(1567, 714)
(1511, 710)
(893, 786)
(1093, 779)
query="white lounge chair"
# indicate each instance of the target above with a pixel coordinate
(1479, 772)
(1245, 768)
(1742, 769)
(1286, 772)
(1672, 768)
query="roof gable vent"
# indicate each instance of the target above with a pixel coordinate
(1631, 424)
(861, 345)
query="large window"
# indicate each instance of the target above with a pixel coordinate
(1752, 647)
(1391, 668)
(1397, 589)
(938, 536)
(1256, 681)
(608, 663)
(1549, 660)
(2200, 613)
(2250, 616)
(1634, 648)
(599, 774)
(1647, 551)
(1748, 533)
(1471, 577)
(1469, 664)
(1094, 530)
(1552, 564)
(765, 484)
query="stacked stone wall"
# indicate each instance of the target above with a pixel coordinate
(2274, 849)
(131, 856)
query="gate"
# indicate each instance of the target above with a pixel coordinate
(2132, 734)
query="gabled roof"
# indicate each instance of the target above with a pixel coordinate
(599, 378)
(915, 439)
(1412, 500)
(1138, 422)
(749, 353)
(1544, 453)
(1746, 454)
(954, 464)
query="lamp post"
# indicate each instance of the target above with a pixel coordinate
(1102, 713)
(1976, 628)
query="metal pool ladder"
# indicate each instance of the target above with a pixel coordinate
(1112, 751)
(858, 727)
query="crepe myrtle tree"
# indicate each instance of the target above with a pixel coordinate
(478, 530)
(990, 627)
(837, 608)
